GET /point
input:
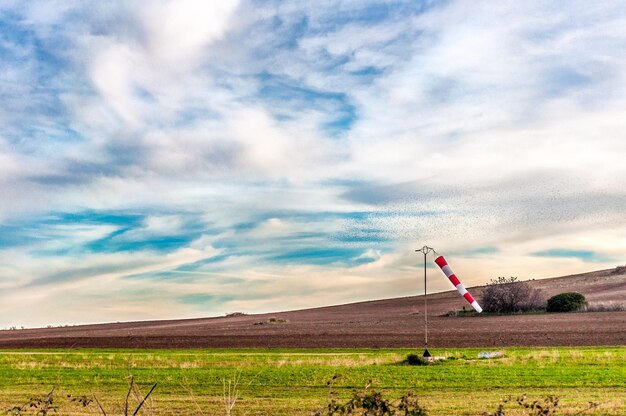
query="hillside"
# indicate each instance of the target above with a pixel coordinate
(382, 323)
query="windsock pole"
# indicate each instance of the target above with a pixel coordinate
(425, 310)
(425, 250)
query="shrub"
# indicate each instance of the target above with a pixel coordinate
(508, 295)
(235, 314)
(414, 359)
(272, 320)
(619, 270)
(566, 302)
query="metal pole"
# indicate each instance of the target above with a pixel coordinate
(425, 250)
(425, 309)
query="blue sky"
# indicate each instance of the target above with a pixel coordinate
(171, 159)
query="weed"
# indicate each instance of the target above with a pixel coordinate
(40, 405)
(546, 407)
(83, 400)
(370, 403)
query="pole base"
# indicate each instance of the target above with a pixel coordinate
(426, 353)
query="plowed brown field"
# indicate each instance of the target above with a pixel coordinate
(383, 323)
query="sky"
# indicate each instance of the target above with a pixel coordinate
(175, 159)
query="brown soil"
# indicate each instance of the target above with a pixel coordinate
(383, 323)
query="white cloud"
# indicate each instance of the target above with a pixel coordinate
(177, 30)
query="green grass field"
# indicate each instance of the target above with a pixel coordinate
(294, 382)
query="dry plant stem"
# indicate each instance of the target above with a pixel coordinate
(195, 401)
(193, 397)
(130, 388)
(47, 402)
(144, 399)
(233, 392)
(592, 405)
(99, 405)
(139, 397)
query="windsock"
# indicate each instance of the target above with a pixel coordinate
(443, 264)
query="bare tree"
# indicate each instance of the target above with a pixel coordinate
(509, 295)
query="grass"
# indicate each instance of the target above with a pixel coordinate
(294, 382)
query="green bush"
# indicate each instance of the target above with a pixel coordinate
(566, 302)
(414, 359)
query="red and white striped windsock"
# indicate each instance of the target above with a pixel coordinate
(443, 264)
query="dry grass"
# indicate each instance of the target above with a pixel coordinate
(609, 306)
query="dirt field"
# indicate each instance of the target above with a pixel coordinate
(384, 323)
